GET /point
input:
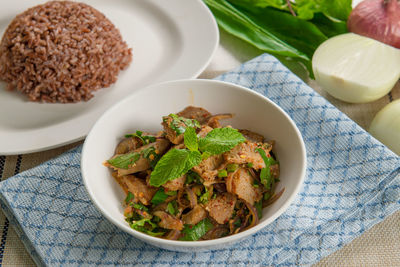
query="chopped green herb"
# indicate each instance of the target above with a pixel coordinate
(232, 167)
(221, 140)
(146, 226)
(179, 124)
(267, 195)
(171, 209)
(237, 223)
(222, 173)
(146, 139)
(129, 197)
(206, 196)
(150, 154)
(159, 197)
(193, 233)
(140, 206)
(250, 164)
(171, 193)
(258, 206)
(214, 196)
(156, 219)
(193, 177)
(128, 215)
(265, 174)
(124, 161)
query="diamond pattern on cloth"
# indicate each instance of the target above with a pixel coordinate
(352, 182)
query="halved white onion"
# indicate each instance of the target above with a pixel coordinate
(355, 68)
(386, 126)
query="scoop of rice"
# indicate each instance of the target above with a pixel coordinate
(61, 52)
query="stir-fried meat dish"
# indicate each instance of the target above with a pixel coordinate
(195, 180)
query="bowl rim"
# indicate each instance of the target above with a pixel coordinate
(199, 243)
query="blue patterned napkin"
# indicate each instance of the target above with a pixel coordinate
(352, 183)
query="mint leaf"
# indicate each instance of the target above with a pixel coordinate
(174, 164)
(196, 232)
(179, 124)
(124, 161)
(220, 140)
(190, 139)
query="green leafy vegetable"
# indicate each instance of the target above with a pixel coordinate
(145, 226)
(232, 167)
(179, 124)
(174, 164)
(267, 195)
(124, 161)
(172, 207)
(193, 176)
(258, 206)
(159, 197)
(140, 206)
(270, 26)
(190, 139)
(265, 174)
(129, 197)
(171, 193)
(220, 140)
(193, 233)
(222, 173)
(150, 154)
(337, 10)
(204, 198)
(146, 139)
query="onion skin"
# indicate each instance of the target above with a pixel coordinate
(386, 126)
(377, 19)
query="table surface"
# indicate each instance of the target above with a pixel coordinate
(380, 246)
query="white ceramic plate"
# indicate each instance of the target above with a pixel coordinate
(139, 111)
(172, 39)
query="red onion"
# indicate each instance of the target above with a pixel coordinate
(184, 203)
(377, 19)
(173, 235)
(192, 197)
(216, 232)
(253, 213)
(274, 198)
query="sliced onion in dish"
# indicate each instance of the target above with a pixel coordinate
(173, 235)
(386, 126)
(192, 197)
(254, 213)
(356, 69)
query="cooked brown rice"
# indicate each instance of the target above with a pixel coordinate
(61, 52)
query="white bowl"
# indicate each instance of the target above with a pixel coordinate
(143, 111)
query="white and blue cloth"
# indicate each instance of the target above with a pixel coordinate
(352, 183)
